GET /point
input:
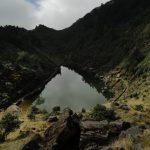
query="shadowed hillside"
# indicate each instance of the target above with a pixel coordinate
(114, 35)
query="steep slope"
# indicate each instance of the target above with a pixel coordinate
(23, 66)
(114, 36)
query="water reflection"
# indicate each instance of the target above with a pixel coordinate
(68, 89)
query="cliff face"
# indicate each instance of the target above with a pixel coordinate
(114, 35)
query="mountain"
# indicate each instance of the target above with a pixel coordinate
(114, 36)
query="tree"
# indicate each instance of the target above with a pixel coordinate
(8, 123)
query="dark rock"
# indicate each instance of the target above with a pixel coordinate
(133, 132)
(99, 133)
(124, 107)
(93, 125)
(67, 112)
(34, 144)
(116, 127)
(52, 119)
(2, 138)
(112, 148)
(137, 147)
(64, 134)
(107, 148)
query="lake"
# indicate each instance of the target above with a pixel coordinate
(69, 89)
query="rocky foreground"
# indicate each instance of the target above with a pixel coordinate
(71, 133)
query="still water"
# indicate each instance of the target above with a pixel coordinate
(69, 89)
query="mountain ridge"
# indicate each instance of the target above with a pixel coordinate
(114, 35)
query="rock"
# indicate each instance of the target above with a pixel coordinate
(2, 138)
(13, 109)
(93, 125)
(133, 132)
(93, 134)
(99, 133)
(137, 147)
(124, 107)
(34, 144)
(116, 103)
(107, 148)
(64, 134)
(52, 119)
(112, 148)
(19, 102)
(116, 128)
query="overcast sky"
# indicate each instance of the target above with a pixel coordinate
(57, 14)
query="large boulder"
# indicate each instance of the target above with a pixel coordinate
(64, 134)
(133, 132)
(14, 109)
(96, 134)
(33, 144)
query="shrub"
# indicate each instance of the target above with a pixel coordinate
(8, 123)
(40, 100)
(139, 108)
(56, 109)
(101, 113)
(32, 111)
(31, 116)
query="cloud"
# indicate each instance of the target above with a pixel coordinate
(56, 14)
(17, 12)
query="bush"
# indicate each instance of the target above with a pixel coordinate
(32, 111)
(31, 116)
(40, 100)
(8, 123)
(56, 109)
(139, 108)
(101, 113)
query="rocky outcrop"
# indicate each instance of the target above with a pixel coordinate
(70, 134)
(97, 134)
(64, 134)
(134, 132)
(33, 144)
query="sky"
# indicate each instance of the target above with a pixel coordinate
(57, 14)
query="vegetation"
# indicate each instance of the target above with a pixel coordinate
(56, 109)
(32, 111)
(125, 143)
(8, 123)
(139, 108)
(100, 112)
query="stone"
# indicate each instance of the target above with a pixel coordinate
(93, 125)
(52, 119)
(116, 127)
(13, 109)
(33, 144)
(64, 134)
(137, 147)
(124, 107)
(99, 133)
(132, 132)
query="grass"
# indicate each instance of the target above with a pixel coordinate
(126, 143)
(28, 128)
(144, 140)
